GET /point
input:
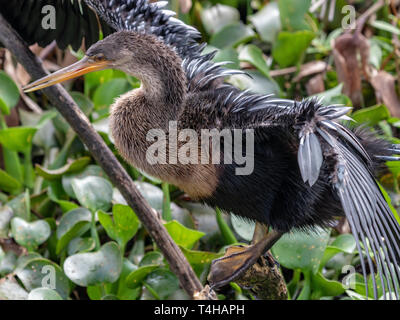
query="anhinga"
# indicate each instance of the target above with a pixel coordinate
(308, 167)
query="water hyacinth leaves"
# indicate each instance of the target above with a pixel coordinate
(290, 47)
(6, 214)
(343, 243)
(106, 93)
(90, 170)
(298, 250)
(267, 22)
(9, 93)
(124, 292)
(151, 193)
(72, 224)
(71, 167)
(30, 234)
(17, 138)
(92, 268)
(292, 14)
(254, 55)
(11, 290)
(161, 283)
(183, 236)
(39, 272)
(92, 192)
(218, 16)
(21, 206)
(8, 183)
(232, 35)
(371, 116)
(80, 245)
(136, 277)
(122, 226)
(44, 294)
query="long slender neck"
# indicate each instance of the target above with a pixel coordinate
(163, 89)
(158, 101)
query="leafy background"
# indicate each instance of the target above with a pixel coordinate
(61, 216)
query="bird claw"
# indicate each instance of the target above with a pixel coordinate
(232, 265)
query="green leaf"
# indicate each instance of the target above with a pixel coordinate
(136, 277)
(12, 164)
(90, 170)
(267, 22)
(106, 93)
(20, 206)
(87, 269)
(244, 228)
(299, 250)
(73, 166)
(66, 205)
(94, 193)
(232, 35)
(389, 202)
(226, 55)
(371, 115)
(258, 83)
(80, 245)
(151, 258)
(8, 262)
(324, 287)
(45, 137)
(254, 55)
(292, 13)
(200, 258)
(218, 16)
(8, 183)
(343, 243)
(226, 232)
(163, 282)
(183, 236)
(125, 293)
(40, 272)
(6, 214)
(72, 224)
(290, 47)
(9, 93)
(44, 294)
(94, 79)
(385, 26)
(17, 138)
(11, 290)
(124, 225)
(30, 234)
(153, 195)
(334, 96)
(84, 103)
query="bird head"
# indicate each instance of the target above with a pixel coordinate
(117, 51)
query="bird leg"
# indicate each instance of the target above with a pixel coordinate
(238, 259)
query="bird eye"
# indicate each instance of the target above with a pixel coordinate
(99, 57)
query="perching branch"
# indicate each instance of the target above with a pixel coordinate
(117, 174)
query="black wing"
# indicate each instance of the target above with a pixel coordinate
(373, 224)
(75, 21)
(78, 20)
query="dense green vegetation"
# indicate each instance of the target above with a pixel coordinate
(67, 233)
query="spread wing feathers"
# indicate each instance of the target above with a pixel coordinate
(151, 18)
(142, 16)
(74, 22)
(373, 225)
(77, 20)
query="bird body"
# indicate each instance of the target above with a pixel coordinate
(308, 167)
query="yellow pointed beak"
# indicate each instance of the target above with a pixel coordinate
(79, 68)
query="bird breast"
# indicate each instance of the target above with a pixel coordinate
(133, 126)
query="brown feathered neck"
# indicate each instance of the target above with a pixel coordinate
(155, 64)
